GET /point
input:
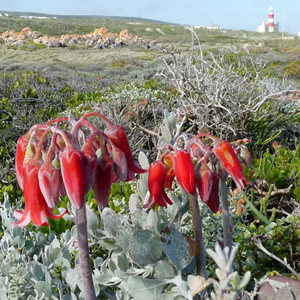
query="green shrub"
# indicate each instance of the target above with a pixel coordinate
(118, 63)
(31, 46)
(292, 69)
(281, 169)
(280, 238)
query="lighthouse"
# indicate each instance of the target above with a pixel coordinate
(271, 26)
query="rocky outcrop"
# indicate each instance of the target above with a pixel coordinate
(100, 38)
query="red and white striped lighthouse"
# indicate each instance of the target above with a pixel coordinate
(271, 20)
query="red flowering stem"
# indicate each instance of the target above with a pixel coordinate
(79, 124)
(38, 152)
(83, 122)
(225, 216)
(95, 114)
(42, 138)
(84, 256)
(198, 236)
(59, 120)
(207, 135)
(65, 137)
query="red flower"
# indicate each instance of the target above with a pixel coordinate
(103, 180)
(120, 162)
(90, 161)
(230, 162)
(214, 200)
(51, 183)
(36, 208)
(156, 181)
(25, 151)
(19, 161)
(118, 136)
(168, 160)
(184, 171)
(204, 182)
(73, 171)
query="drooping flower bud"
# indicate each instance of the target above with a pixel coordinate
(229, 160)
(50, 181)
(214, 200)
(118, 136)
(90, 161)
(120, 161)
(73, 171)
(156, 181)
(168, 160)
(184, 171)
(204, 182)
(36, 208)
(19, 161)
(103, 180)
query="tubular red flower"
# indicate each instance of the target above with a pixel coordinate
(214, 200)
(168, 160)
(229, 160)
(51, 183)
(90, 161)
(118, 136)
(36, 208)
(156, 181)
(204, 182)
(19, 161)
(103, 180)
(73, 171)
(184, 171)
(120, 162)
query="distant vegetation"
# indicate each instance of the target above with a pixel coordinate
(163, 32)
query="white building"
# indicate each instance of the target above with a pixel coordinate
(213, 27)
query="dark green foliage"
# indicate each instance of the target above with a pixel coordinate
(292, 69)
(31, 46)
(280, 238)
(275, 120)
(281, 169)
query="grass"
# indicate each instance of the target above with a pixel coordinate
(112, 66)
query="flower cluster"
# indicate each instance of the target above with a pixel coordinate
(69, 157)
(198, 163)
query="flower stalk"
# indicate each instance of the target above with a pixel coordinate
(198, 236)
(84, 256)
(225, 216)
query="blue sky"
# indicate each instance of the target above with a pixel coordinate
(229, 14)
